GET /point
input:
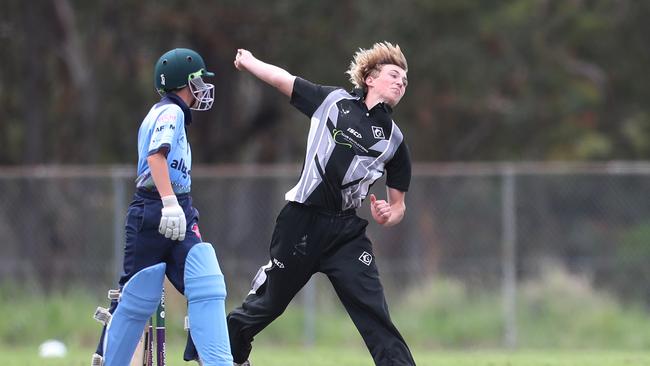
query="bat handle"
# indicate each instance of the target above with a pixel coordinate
(160, 332)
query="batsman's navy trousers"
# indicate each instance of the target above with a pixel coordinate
(145, 246)
(307, 240)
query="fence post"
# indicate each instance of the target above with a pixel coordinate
(119, 211)
(508, 256)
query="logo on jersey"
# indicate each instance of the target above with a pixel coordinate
(378, 132)
(167, 118)
(195, 229)
(342, 139)
(343, 136)
(163, 127)
(355, 133)
(181, 142)
(181, 167)
(166, 121)
(278, 263)
(366, 258)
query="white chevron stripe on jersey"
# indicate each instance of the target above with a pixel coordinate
(320, 144)
(380, 145)
(375, 168)
(353, 196)
(358, 168)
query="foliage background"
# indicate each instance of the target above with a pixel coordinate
(489, 80)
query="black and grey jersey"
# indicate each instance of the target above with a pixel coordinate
(348, 148)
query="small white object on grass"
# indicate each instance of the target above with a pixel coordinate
(52, 348)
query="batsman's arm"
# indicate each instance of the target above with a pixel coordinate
(270, 74)
(173, 223)
(160, 174)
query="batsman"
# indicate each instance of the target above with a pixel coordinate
(162, 232)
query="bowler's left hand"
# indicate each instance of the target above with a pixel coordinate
(380, 210)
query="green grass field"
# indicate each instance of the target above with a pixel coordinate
(561, 322)
(284, 356)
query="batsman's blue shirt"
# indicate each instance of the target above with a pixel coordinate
(163, 130)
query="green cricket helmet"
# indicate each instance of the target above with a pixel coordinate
(183, 67)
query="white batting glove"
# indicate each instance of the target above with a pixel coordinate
(172, 220)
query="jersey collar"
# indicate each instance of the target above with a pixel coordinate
(361, 94)
(172, 97)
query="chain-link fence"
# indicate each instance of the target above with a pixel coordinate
(489, 226)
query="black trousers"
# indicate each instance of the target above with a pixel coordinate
(307, 240)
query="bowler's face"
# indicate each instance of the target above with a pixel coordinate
(389, 84)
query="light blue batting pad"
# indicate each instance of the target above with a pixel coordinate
(139, 299)
(205, 290)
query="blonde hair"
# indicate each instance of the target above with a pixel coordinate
(366, 62)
